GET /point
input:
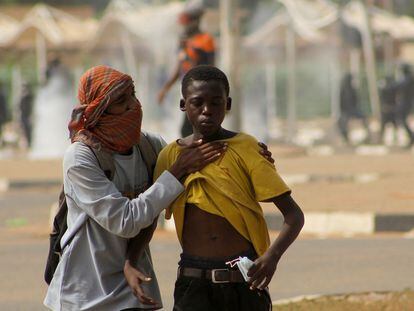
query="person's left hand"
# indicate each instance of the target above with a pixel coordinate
(134, 278)
(262, 271)
(266, 153)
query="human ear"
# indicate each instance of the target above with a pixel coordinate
(228, 105)
(182, 105)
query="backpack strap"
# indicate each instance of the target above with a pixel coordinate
(149, 155)
(105, 161)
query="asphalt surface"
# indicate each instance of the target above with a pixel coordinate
(320, 266)
(311, 266)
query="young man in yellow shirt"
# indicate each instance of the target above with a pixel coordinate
(218, 217)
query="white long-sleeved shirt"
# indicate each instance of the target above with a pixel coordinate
(90, 273)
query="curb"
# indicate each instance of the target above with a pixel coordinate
(348, 223)
(345, 223)
(334, 223)
(291, 179)
(297, 179)
(6, 185)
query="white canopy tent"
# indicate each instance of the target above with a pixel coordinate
(398, 27)
(46, 27)
(306, 17)
(152, 30)
(9, 26)
(310, 22)
(309, 19)
(56, 26)
(299, 23)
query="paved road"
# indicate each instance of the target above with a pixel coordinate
(311, 266)
(321, 266)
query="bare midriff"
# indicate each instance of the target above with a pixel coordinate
(211, 236)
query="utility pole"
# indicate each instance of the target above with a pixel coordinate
(230, 63)
(369, 54)
(389, 41)
(291, 61)
(41, 55)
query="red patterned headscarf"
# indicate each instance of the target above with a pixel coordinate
(99, 87)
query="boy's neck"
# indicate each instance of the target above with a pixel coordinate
(220, 134)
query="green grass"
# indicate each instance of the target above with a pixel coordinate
(375, 301)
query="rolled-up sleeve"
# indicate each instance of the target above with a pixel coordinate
(92, 192)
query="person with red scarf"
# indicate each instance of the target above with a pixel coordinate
(90, 274)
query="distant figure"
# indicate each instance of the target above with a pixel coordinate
(3, 112)
(52, 67)
(349, 108)
(51, 111)
(405, 97)
(388, 95)
(195, 48)
(26, 108)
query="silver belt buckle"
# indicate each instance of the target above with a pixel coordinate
(213, 276)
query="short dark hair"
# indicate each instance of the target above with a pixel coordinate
(205, 73)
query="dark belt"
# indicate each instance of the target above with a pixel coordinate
(214, 275)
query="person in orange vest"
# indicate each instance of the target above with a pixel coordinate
(195, 48)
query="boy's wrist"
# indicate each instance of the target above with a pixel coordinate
(275, 254)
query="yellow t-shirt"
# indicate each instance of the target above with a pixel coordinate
(230, 187)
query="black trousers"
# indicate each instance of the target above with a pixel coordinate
(344, 119)
(403, 112)
(194, 294)
(138, 309)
